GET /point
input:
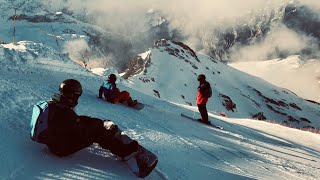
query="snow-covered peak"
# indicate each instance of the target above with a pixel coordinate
(105, 72)
(155, 18)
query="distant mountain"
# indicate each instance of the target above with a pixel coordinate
(169, 71)
(295, 73)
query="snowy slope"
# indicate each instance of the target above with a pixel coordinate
(293, 73)
(186, 150)
(79, 40)
(169, 71)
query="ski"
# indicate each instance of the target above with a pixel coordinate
(193, 119)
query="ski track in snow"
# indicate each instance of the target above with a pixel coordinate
(194, 145)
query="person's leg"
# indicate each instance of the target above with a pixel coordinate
(83, 136)
(203, 111)
(123, 96)
(110, 139)
(128, 99)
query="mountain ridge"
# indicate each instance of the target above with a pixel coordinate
(169, 70)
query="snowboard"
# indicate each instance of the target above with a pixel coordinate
(210, 124)
(140, 163)
(138, 106)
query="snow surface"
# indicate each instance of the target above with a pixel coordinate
(300, 76)
(247, 149)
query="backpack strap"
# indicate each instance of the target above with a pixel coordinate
(52, 108)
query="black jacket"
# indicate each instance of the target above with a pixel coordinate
(204, 88)
(68, 132)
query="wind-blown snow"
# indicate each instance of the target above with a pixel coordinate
(186, 149)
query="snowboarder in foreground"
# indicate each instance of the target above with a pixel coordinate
(55, 124)
(66, 132)
(112, 93)
(203, 93)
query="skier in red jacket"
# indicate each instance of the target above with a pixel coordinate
(203, 94)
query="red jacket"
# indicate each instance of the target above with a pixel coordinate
(201, 99)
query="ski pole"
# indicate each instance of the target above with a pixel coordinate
(194, 113)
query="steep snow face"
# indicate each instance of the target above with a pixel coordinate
(169, 71)
(294, 73)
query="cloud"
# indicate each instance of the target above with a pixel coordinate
(280, 40)
(200, 22)
(315, 4)
(187, 14)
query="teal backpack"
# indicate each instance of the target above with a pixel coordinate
(41, 113)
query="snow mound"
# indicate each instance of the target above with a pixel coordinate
(27, 51)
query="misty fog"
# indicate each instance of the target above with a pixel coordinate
(218, 28)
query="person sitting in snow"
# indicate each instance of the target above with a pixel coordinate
(203, 93)
(112, 93)
(67, 132)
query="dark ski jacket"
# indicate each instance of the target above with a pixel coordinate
(68, 132)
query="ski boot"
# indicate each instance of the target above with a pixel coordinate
(203, 121)
(132, 103)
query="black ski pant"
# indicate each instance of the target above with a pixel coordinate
(203, 111)
(92, 130)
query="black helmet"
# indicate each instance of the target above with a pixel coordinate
(70, 87)
(71, 90)
(201, 77)
(112, 78)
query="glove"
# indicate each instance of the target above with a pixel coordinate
(111, 127)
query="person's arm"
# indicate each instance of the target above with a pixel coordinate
(110, 91)
(114, 91)
(113, 88)
(95, 126)
(205, 88)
